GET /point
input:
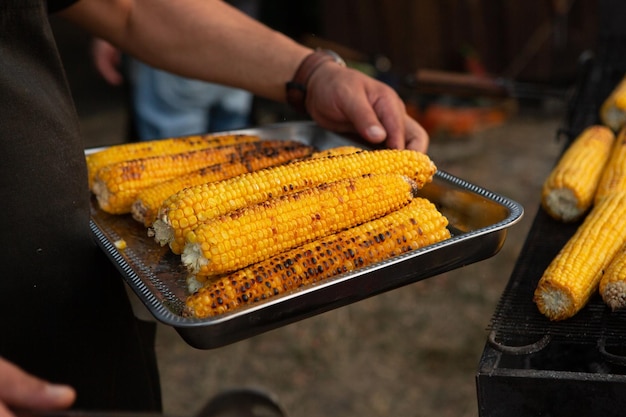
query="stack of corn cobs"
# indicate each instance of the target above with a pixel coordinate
(588, 184)
(254, 218)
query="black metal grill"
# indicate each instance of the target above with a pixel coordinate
(516, 316)
(531, 366)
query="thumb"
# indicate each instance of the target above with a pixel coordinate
(22, 390)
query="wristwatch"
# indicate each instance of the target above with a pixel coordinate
(296, 88)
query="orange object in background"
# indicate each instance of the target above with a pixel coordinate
(459, 120)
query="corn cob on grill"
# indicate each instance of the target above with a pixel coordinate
(146, 205)
(613, 110)
(253, 233)
(128, 151)
(574, 274)
(569, 190)
(613, 282)
(186, 209)
(414, 226)
(116, 186)
(613, 177)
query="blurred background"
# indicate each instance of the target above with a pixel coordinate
(491, 81)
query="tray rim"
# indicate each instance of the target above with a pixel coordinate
(221, 330)
(162, 313)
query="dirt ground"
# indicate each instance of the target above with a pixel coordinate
(413, 351)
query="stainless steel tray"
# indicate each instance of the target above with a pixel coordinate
(478, 221)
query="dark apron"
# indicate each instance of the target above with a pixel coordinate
(64, 314)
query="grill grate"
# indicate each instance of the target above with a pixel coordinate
(516, 320)
(531, 366)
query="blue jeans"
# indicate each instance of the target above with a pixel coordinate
(166, 105)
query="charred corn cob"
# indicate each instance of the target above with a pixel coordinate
(116, 186)
(613, 109)
(136, 150)
(414, 226)
(146, 205)
(613, 177)
(613, 282)
(338, 150)
(574, 274)
(185, 209)
(253, 233)
(569, 190)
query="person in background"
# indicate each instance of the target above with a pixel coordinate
(166, 105)
(64, 314)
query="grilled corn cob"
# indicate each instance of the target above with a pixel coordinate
(414, 226)
(185, 209)
(146, 205)
(613, 109)
(136, 150)
(569, 190)
(613, 177)
(574, 274)
(338, 150)
(116, 186)
(253, 233)
(613, 282)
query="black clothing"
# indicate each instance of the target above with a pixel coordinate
(56, 5)
(64, 314)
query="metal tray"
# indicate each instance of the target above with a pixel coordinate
(478, 221)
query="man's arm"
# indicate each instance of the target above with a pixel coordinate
(206, 39)
(212, 41)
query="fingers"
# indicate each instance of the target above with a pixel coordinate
(415, 136)
(385, 119)
(366, 122)
(344, 99)
(107, 60)
(4, 411)
(19, 389)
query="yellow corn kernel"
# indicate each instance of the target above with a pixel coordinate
(116, 186)
(414, 226)
(253, 233)
(136, 150)
(613, 177)
(200, 203)
(574, 274)
(569, 190)
(146, 206)
(120, 244)
(613, 109)
(613, 282)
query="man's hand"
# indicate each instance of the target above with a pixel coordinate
(21, 390)
(107, 60)
(345, 100)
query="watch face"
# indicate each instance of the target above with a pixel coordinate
(335, 57)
